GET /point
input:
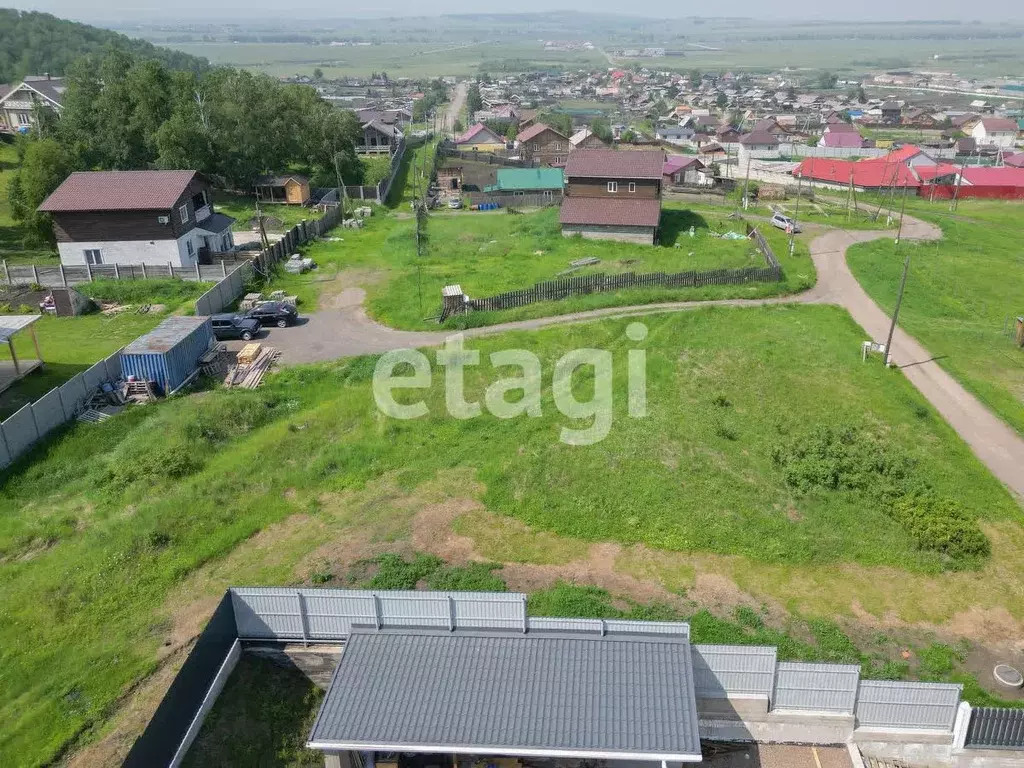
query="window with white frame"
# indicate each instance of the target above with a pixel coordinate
(93, 256)
(632, 186)
(613, 186)
(24, 118)
(183, 213)
(191, 248)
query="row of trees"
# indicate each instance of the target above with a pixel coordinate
(122, 112)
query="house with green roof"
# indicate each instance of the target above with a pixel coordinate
(545, 183)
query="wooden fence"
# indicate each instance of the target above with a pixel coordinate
(491, 158)
(554, 290)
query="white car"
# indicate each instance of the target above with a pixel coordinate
(785, 223)
(454, 202)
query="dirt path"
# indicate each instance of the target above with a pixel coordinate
(347, 330)
(451, 114)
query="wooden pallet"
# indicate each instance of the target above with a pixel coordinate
(92, 416)
(250, 376)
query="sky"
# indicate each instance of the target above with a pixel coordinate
(182, 11)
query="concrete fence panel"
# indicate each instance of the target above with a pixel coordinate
(72, 392)
(94, 376)
(723, 670)
(113, 366)
(20, 431)
(818, 687)
(49, 412)
(891, 704)
(225, 291)
(5, 455)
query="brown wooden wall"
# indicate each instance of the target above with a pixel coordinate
(646, 189)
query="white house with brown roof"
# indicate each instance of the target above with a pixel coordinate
(996, 132)
(136, 217)
(19, 102)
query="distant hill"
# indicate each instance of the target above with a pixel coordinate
(33, 43)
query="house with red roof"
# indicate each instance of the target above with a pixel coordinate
(136, 217)
(613, 195)
(480, 138)
(543, 143)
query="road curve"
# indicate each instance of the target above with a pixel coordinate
(347, 330)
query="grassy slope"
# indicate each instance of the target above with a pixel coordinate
(489, 253)
(962, 296)
(102, 525)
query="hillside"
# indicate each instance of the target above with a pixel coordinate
(33, 43)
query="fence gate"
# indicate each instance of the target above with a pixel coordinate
(992, 728)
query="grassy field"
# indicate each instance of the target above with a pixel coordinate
(114, 546)
(243, 209)
(489, 253)
(12, 236)
(962, 296)
(415, 60)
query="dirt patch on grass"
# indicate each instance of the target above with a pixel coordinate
(345, 289)
(432, 530)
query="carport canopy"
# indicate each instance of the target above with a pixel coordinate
(555, 694)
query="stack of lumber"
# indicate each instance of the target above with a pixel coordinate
(248, 375)
(249, 301)
(248, 353)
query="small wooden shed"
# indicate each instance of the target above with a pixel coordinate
(292, 190)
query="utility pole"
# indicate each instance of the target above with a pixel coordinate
(796, 213)
(849, 197)
(746, 184)
(959, 179)
(903, 285)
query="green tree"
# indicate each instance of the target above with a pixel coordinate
(722, 101)
(827, 80)
(458, 127)
(602, 128)
(474, 102)
(46, 164)
(695, 78)
(318, 74)
(628, 136)
(560, 121)
(791, 93)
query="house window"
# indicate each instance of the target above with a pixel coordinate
(632, 186)
(183, 213)
(24, 118)
(613, 186)
(92, 256)
(191, 248)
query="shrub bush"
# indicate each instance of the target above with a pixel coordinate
(941, 525)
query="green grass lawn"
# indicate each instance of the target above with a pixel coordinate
(105, 529)
(963, 295)
(489, 253)
(12, 235)
(243, 209)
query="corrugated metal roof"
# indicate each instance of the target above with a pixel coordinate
(566, 695)
(521, 179)
(610, 211)
(118, 191)
(615, 164)
(11, 324)
(165, 336)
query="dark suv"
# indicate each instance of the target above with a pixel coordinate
(274, 313)
(234, 327)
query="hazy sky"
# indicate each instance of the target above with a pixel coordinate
(183, 11)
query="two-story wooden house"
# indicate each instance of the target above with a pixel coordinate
(613, 194)
(544, 144)
(136, 217)
(20, 102)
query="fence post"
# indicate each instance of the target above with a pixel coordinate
(223, 268)
(143, 270)
(960, 725)
(523, 608)
(35, 274)
(302, 618)
(7, 446)
(376, 611)
(35, 424)
(7, 273)
(117, 272)
(170, 269)
(88, 269)
(451, 613)
(63, 277)
(199, 276)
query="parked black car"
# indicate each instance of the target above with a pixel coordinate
(230, 326)
(274, 313)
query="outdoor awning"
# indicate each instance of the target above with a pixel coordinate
(11, 324)
(539, 694)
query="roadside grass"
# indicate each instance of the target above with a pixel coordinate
(492, 253)
(827, 212)
(962, 297)
(12, 235)
(105, 524)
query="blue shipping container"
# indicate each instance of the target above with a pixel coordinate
(169, 354)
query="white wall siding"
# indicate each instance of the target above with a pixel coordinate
(126, 252)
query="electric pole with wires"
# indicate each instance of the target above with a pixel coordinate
(903, 283)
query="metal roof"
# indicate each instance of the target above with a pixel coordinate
(118, 191)
(610, 211)
(546, 694)
(11, 324)
(523, 179)
(165, 336)
(615, 164)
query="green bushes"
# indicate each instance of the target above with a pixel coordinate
(849, 458)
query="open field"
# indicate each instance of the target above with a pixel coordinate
(115, 546)
(489, 253)
(415, 60)
(963, 296)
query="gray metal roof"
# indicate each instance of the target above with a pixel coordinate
(11, 324)
(165, 336)
(502, 693)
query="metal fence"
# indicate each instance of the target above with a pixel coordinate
(379, 193)
(818, 687)
(992, 728)
(890, 704)
(224, 292)
(720, 671)
(23, 429)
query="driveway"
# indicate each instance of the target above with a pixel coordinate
(347, 330)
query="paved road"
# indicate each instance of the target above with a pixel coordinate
(347, 330)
